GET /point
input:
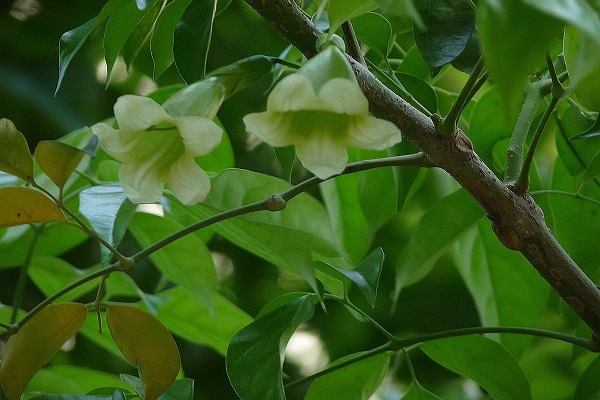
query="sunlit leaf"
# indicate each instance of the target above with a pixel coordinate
(76, 380)
(357, 381)
(36, 343)
(14, 157)
(22, 205)
(109, 212)
(342, 10)
(485, 361)
(57, 160)
(192, 39)
(255, 354)
(51, 274)
(145, 342)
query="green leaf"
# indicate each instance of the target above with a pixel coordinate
(339, 11)
(583, 64)
(57, 160)
(417, 392)
(72, 379)
(593, 131)
(485, 361)
(374, 30)
(443, 223)
(255, 354)
(59, 396)
(448, 28)
(520, 27)
(182, 389)
(15, 157)
(420, 89)
(163, 36)
(357, 381)
(192, 39)
(592, 170)
(71, 41)
(136, 49)
(242, 73)
(181, 312)
(109, 212)
(186, 261)
(23, 205)
(578, 13)
(51, 274)
(402, 8)
(576, 154)
(365, 276)
(588, 387)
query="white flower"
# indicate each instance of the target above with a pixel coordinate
(156, 148)
(321, 116)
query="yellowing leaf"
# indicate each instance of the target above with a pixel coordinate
(36, 343)
(14, 156)
(146, 342)
(57, 160)
(21, 205)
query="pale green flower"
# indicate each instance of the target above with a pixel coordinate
(321, 110)
(157, 148)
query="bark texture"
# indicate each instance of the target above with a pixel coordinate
(516, 219)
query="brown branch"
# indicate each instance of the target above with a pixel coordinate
(516, 219)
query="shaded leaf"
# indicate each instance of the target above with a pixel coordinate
(109, 212)
(485, 361)
(57, 160)
(186, 261)
(418, 392)
(357, 381)
(583, 64)
(374, 30)
(447, 30)
(145, 342)
(71, 41)
(588, 387)
(255, 354)
(181, 389)
(592, 170)
(402, 8)
(22, 205)
(593, 131)
(192, 39)
(14, 157)
(34, 345)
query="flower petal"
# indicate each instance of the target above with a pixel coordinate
(200, 135)
(271, 127)
(342, 96)
(138, 113)
(322, 154)
(294, 92)
(141, 183)
(188, 181)
(372, 133)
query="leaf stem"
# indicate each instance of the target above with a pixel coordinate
(352, 43)
(450, 121)
(276, 60)
(376, 324)
(576, 195)
(24, 273)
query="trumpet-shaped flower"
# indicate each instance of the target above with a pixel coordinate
(157, 148)
(321, 110)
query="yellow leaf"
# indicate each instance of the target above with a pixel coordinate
(14, 156)
(57, 160)
(21, 205)
(145, 342)
(36, 343)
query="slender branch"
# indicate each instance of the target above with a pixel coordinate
(376, 324)
(281, 61)
(24, 273)
(450, 121)
(352, 43)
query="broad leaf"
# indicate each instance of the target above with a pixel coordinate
(375, 31)
(255, 354)
(71, 379)
(109, 212)
(161, 44)
(588, 387)
(23, 205)
(15, 157)
(520, 27)
(145, 342)
(186, 261)
(71, 41)
(57, 160)
(192, 39)
(341, 10)
(448, 28)
(51, 274)
(485, 361)
(443, 223)
(35, 344)
(357, 381)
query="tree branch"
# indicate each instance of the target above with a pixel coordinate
(517, 220)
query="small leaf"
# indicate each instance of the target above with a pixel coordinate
(22, 205)
(485, 361)
(375, 31)
(448, 28)
(14, 157)
(357, 381)
(34, 345)
(592, 171)
(192, 39)
(57, 160)
(255, 354)
(109, 212)
(145, 342)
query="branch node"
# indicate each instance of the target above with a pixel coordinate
(276, 203)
